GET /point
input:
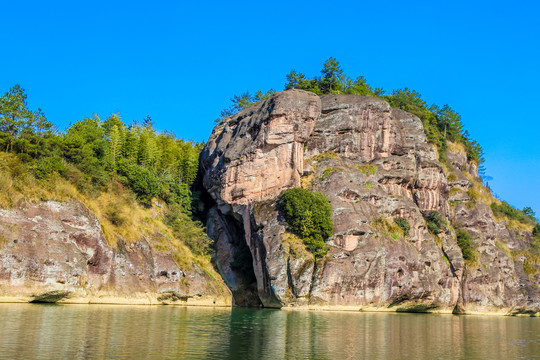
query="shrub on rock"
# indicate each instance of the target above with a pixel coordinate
(308, 215)
(403, 224)
(435, 221)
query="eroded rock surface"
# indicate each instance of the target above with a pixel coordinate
(374, 164)
(496, 281)
(55, 251)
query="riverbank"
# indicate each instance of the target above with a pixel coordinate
(110, 299)
(447, 311)
(226, 302)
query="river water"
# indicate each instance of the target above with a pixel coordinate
(33, 331)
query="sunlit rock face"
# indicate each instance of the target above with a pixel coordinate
(258, 152)
(374, 164)
(52, 251)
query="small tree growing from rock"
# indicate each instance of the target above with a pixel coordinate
(308, 215)
(466, 242)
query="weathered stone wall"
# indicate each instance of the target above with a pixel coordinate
(59, 249)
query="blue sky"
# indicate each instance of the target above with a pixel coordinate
(180, 63)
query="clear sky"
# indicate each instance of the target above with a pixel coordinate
(180, 62)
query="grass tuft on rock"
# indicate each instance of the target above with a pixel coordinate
(388, 228)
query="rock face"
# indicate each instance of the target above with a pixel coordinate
(250, 159)
(55, 251)
(374, 164)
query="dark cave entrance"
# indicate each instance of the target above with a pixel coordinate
(245, 292)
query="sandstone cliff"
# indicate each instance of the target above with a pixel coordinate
(374, 164)
(56, 251)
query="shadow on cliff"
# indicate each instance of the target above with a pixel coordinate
(232, 257)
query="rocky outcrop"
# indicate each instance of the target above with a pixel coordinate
(248, 159)
(258, 152)
(374, 164)
(496, 280)
(54, 251)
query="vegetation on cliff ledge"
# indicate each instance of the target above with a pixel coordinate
(435, 221)
(308, 215)
(466, 243)
(403, 224)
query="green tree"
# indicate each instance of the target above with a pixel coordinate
(130, 145)
(294, 79)
(14, 115)
(466, 242)
(308, 215)
(115, 145)
(85, 146)
(148, 150)
(144, 182)
(332, 76)
(241, 102)
(536, 231)
(112, 121)
(528, 211)
(357, 87)
(407, 99)
(449, 123)
(22, 130)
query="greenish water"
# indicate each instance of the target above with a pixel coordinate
(31, 331)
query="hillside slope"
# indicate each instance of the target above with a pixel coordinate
(59, 243)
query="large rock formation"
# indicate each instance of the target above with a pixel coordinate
(54, 251)
(374, 164)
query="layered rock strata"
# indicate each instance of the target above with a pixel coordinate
(374, 164)
(53, 251)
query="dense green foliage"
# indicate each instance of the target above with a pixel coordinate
(92, 154)
(435, 221)
(25, 132)
(536, 231)
(189, 231)
(504, 209)
(466, 242)
(308, 215)
(441, 124)
(332, 80)
(403, 224)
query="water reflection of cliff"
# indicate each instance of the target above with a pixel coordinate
(146, 332)
(343, 335)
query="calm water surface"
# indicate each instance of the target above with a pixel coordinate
(31, 331)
